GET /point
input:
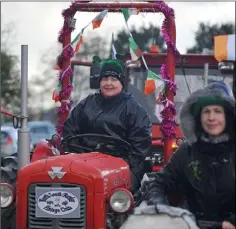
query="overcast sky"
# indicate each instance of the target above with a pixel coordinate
(37, 24)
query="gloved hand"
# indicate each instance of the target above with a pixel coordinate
(56, 142)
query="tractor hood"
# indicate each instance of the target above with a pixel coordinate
(107, 172)
(104, 171)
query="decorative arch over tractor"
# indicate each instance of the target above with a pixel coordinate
(165, 80)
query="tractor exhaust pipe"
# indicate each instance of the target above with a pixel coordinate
(23, 131)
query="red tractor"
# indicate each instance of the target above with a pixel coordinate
(78, 190)
(95, 184)
(85, 190)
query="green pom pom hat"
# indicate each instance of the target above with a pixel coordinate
(113, 68)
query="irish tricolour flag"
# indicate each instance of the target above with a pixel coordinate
(154, 84)
(127, 12)
(135, 51)
(224, 47)
(99, 18)
(78, 40)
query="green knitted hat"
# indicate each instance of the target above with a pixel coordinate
(114, 67)
(206, 101)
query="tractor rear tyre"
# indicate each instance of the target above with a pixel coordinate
(8, 215)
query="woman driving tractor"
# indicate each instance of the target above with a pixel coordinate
(205, 165)
(114, 112)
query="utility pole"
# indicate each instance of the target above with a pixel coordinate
(206, 72)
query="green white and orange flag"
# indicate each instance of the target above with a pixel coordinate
(56, 93)
(224, 47)
(127, 12)
(99, 18)
(135, 51)
(75, 44)
(154, 84)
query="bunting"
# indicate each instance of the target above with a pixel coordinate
(75, 44)
(56, 93)
(135, 51)
(154, 84)
(97, 21)
(127, 12)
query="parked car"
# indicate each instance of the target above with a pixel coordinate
(9, 136)
(9, 140)
(40, 130)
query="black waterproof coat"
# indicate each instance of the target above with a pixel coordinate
(206, 178)
(119, 116)
(203, 167)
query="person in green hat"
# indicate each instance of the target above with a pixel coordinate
(116, 113)
(204, 165)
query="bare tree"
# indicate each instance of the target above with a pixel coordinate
(10, 77)
(96, 45)
(42, 85)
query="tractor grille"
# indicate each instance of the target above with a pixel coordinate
(55, 223)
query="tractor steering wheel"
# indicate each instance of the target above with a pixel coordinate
(107, 144)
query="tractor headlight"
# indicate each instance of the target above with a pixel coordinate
(7, 195)
(121, 200)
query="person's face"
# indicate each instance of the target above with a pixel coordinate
(213, 119)
(110, 86)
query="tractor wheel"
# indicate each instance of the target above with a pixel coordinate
(8, 215)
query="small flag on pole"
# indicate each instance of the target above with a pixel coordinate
(127, 12)
(113, 48)
(135, 51)
(77, 41)
(154, 84)
(99, 18)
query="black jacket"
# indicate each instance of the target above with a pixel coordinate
(120, 116)
(203, 167)
(206, 179)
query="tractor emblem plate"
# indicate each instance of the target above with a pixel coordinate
(56, 172)
(57, 202)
